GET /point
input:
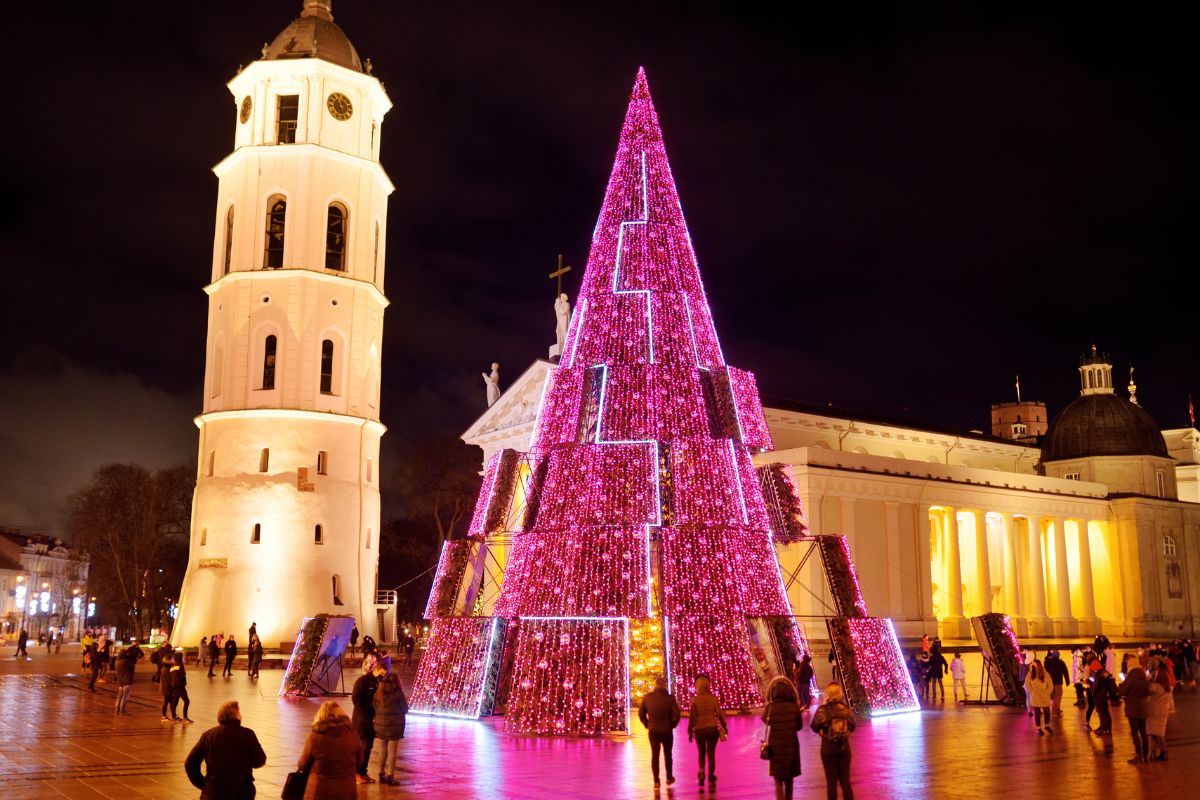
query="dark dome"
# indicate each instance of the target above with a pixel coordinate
(313, 34)
(1102, 425)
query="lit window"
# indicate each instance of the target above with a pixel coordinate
(203, 536)
(1169, 549)
(269, 348)
(368, 538)
(327, 366)
(1018, 430)
(264, 459)
(322, 462)
(318, 534)
(1072, 476)
(256, 535)
(228, 256)
(335, 237)
(276, 228)
(337, 590)
(1161, 480)
(212, 462)
(287, 112)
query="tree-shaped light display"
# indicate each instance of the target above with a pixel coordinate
(636, 535)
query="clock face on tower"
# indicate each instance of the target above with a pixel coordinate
(245, 115)
(339, 106)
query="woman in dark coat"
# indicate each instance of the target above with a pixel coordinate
(1135, 691)
(330, 755)
(390, 708)
(783, 718)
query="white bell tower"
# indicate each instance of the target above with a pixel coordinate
(285, 520)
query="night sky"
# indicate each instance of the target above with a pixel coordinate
(895, 211)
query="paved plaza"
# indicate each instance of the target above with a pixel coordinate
(59, 740)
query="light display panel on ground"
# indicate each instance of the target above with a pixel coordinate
(570, 677)
(457, 674)
(1001, 656)
(315, 666)
(643, 516)
(874, 677)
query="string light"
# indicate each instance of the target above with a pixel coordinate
(646, 546)
(1000, 639)
(843, 579)
(784, 511)
(874, 675)
(457, 674)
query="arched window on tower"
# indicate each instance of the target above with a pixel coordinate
(276, 223)
(327, 366)
(1169, 549)
(269, 347)
(319, 534)
(335, 237)
(337, 590)
(227, 257)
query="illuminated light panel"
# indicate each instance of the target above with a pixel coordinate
(447, 580)
(874, 675)
(458, 670)
(719, 647)
(570, 676)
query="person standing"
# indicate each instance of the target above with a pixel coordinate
(255, 653)
(214, 655)
(1056, 668)
(1037, 695)
(230, 753)
(330, 756)
(834, 722)
(1135, 691)
(253, 632)
(126, 662)
(937, 671)
(805, 681)
(706, 723)
(202, 653)
(783, 720)
(177, 678)
(410, 644)
(1104, 690)
(1158, 708)
(92, 659)
(22, 637)
(1089, 678)
(958, 675)
(230, 655)
(391, 706)
(362, 696)
(50, 641)
(659, 713)
(353, 638)
(165, 662)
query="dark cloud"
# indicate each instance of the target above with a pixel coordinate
(893, 208)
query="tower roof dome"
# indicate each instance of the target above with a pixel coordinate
(1099, 422)
(314, 34)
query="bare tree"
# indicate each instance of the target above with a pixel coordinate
(439, 481)
(133, 524)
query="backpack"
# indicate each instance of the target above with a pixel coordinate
(838, 730)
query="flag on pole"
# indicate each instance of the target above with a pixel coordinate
(1018, 388)
(1191, 411)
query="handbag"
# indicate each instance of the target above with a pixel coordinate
(294, 785)
(764, 747)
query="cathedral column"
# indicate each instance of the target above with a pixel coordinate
(1087, 591)
(891, 519)
(1037, 577)
(954, 599)
(983, 569)
(847, 506)
(1012, 588)
(1064, 623)
(923, 530)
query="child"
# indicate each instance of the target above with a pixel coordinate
(958, 671)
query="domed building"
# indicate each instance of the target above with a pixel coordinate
(1103, 437)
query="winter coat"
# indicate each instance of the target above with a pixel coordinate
(938, 665)
(1135, 691)
(230, 651)
(1039, 691)
(822, 720)
(125, 665)
(1104, 690)
(177, 678)
(705, 713)
(390, 707)
(330, 757)
(783, 719)
(659, 711)
(231, 754)
(1057, 670)
(958, 668)
(214, 651)
(1158, 708)
(363, 698)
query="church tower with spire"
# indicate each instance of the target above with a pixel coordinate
(285, 518)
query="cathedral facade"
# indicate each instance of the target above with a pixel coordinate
(285, 518)
(1092, 527)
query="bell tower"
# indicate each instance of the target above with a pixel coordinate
(285, 518)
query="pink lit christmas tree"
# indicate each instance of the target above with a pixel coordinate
(636, 534)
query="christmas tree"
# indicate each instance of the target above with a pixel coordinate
(636, 536)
